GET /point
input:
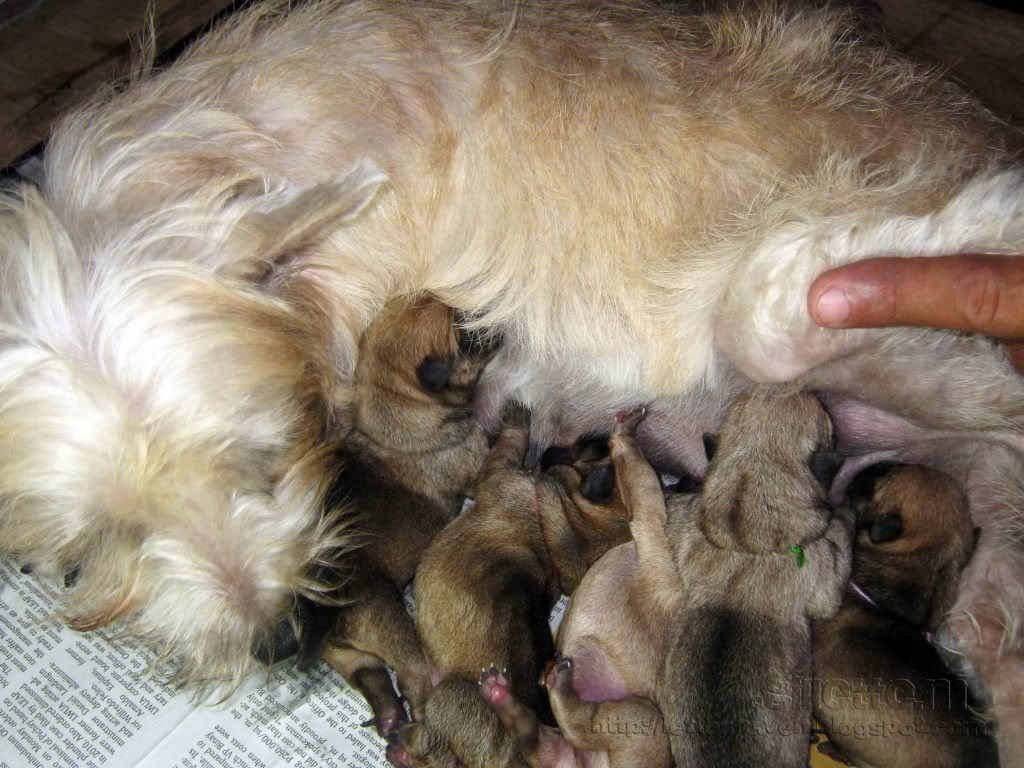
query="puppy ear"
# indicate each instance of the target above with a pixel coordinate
(824, 465)
(886, 528)
(285, 222)
(710, 445)
(433, 374)
(597, 487)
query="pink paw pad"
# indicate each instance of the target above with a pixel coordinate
(494, 685)
(398, 756)
(627, 421)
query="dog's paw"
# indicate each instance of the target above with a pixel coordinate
(401, 749)
(558, 675)
(626, 422)
(386, 721)
(516, 415)
(495, 686)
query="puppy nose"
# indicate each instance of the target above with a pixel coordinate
(278, 645)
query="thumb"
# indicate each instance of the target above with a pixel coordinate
(983, 294)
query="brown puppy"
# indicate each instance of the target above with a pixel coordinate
(486, 587)
(881, 690)
(409, 460)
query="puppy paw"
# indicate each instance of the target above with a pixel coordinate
(475, 342)
(386, 721)
(846, 514)
(516, 415)
(495, 686)
(397, 756)
(626, 422)
(400, 751)
(558, 675)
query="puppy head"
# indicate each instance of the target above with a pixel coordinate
(772, 463)
(417, 374)
(592, 507)
(914, 537)
(162, 421)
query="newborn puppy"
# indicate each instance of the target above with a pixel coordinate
(611, 641)
(764, 557)
(486, 587)
(409, 460)
(707, 612)
(882, 692)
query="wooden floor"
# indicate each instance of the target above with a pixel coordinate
(982, 47)
(55, 52)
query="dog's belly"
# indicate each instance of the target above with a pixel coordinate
(608, 622)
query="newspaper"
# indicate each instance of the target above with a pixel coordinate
(81, 700)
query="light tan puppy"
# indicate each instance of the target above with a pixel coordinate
(881, 690)
(486, 586)
(638, 197)
(408, 463)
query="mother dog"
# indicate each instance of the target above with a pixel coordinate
(637, 199)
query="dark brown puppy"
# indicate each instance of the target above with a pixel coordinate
(409, 460)
(486, 587)
(882, 692)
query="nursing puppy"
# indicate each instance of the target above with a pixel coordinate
(765, 557)
(638, 197)
(881, 690)
(612, 640)
(486, 587)
(697, 634)
(408, 462)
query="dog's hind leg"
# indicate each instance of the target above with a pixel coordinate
(630, 730)
(763, 325)
(378, 624)
(369, 675)
(640, 489)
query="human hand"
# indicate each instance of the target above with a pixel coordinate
(983, 294)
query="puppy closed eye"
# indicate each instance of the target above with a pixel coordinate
(886, 528)
(597, 487)
(433, 374)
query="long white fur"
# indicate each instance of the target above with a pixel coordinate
(638, 200)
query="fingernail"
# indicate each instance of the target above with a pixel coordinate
(833, 307)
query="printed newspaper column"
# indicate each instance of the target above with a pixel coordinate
(71, 700)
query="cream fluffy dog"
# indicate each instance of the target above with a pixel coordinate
(638, 200)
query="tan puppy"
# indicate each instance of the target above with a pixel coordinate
(881, 691)
(487, 584)
(411, 457)
(764, 558)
